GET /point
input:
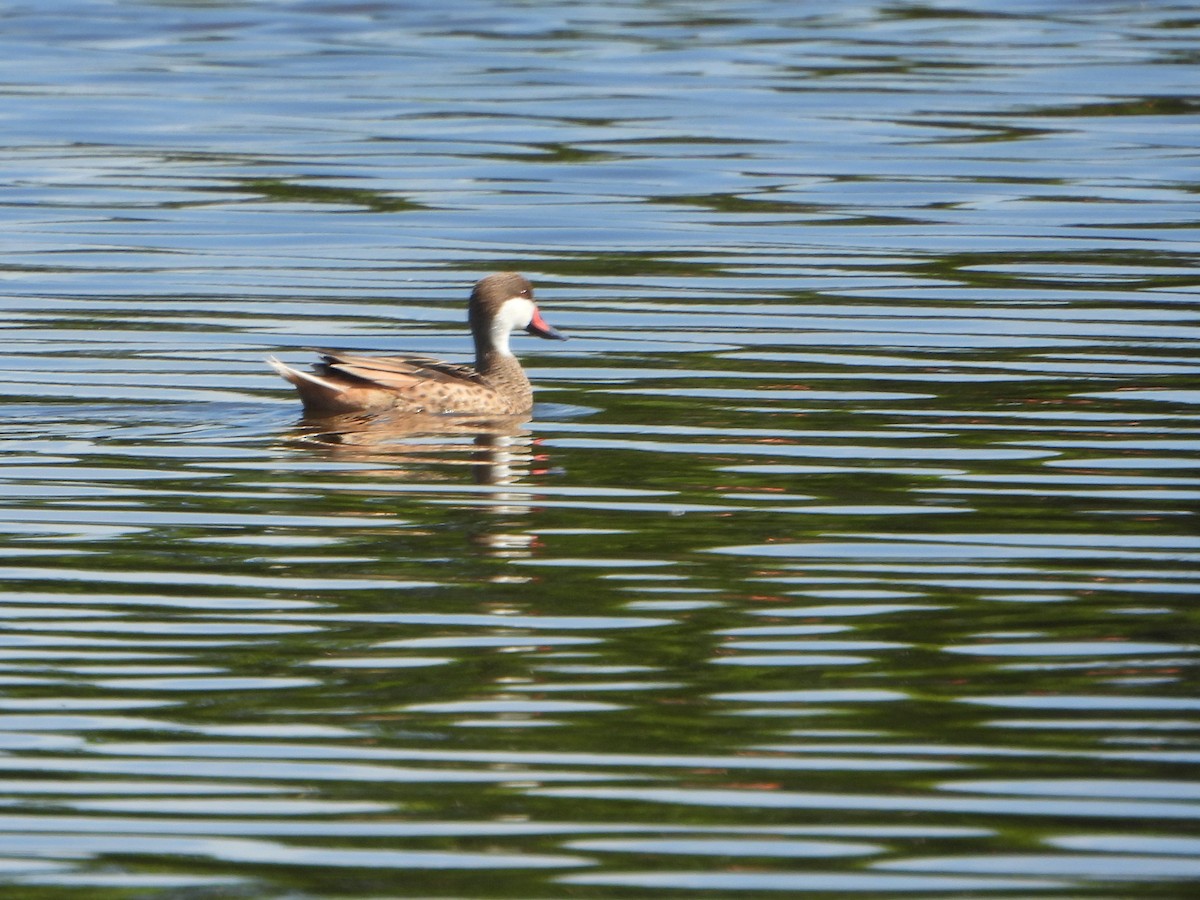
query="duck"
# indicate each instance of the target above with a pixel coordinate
(496, 385)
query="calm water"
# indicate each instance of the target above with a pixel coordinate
(851, 551)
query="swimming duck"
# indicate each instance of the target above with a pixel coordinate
(496, 386)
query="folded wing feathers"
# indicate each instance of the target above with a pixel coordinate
(398, 370)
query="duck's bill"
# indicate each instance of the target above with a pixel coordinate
(538, 326)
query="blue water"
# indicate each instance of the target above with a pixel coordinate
(851, 549)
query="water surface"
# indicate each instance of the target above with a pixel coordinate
(851, 549)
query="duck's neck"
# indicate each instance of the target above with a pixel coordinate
(503, 373)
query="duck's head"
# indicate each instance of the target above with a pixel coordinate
(501, 304)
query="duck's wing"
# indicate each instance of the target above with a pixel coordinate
(396, 372)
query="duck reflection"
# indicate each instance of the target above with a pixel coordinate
(424, 450)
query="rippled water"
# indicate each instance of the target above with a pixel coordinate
(851, 549)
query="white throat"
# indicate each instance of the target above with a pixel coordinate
(515, 313)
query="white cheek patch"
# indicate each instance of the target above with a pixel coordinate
(515, 313)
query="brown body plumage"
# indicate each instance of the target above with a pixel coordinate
(496, 386)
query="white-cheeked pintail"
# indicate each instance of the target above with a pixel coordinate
(496, 386)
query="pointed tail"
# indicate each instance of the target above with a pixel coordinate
(316, 392)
